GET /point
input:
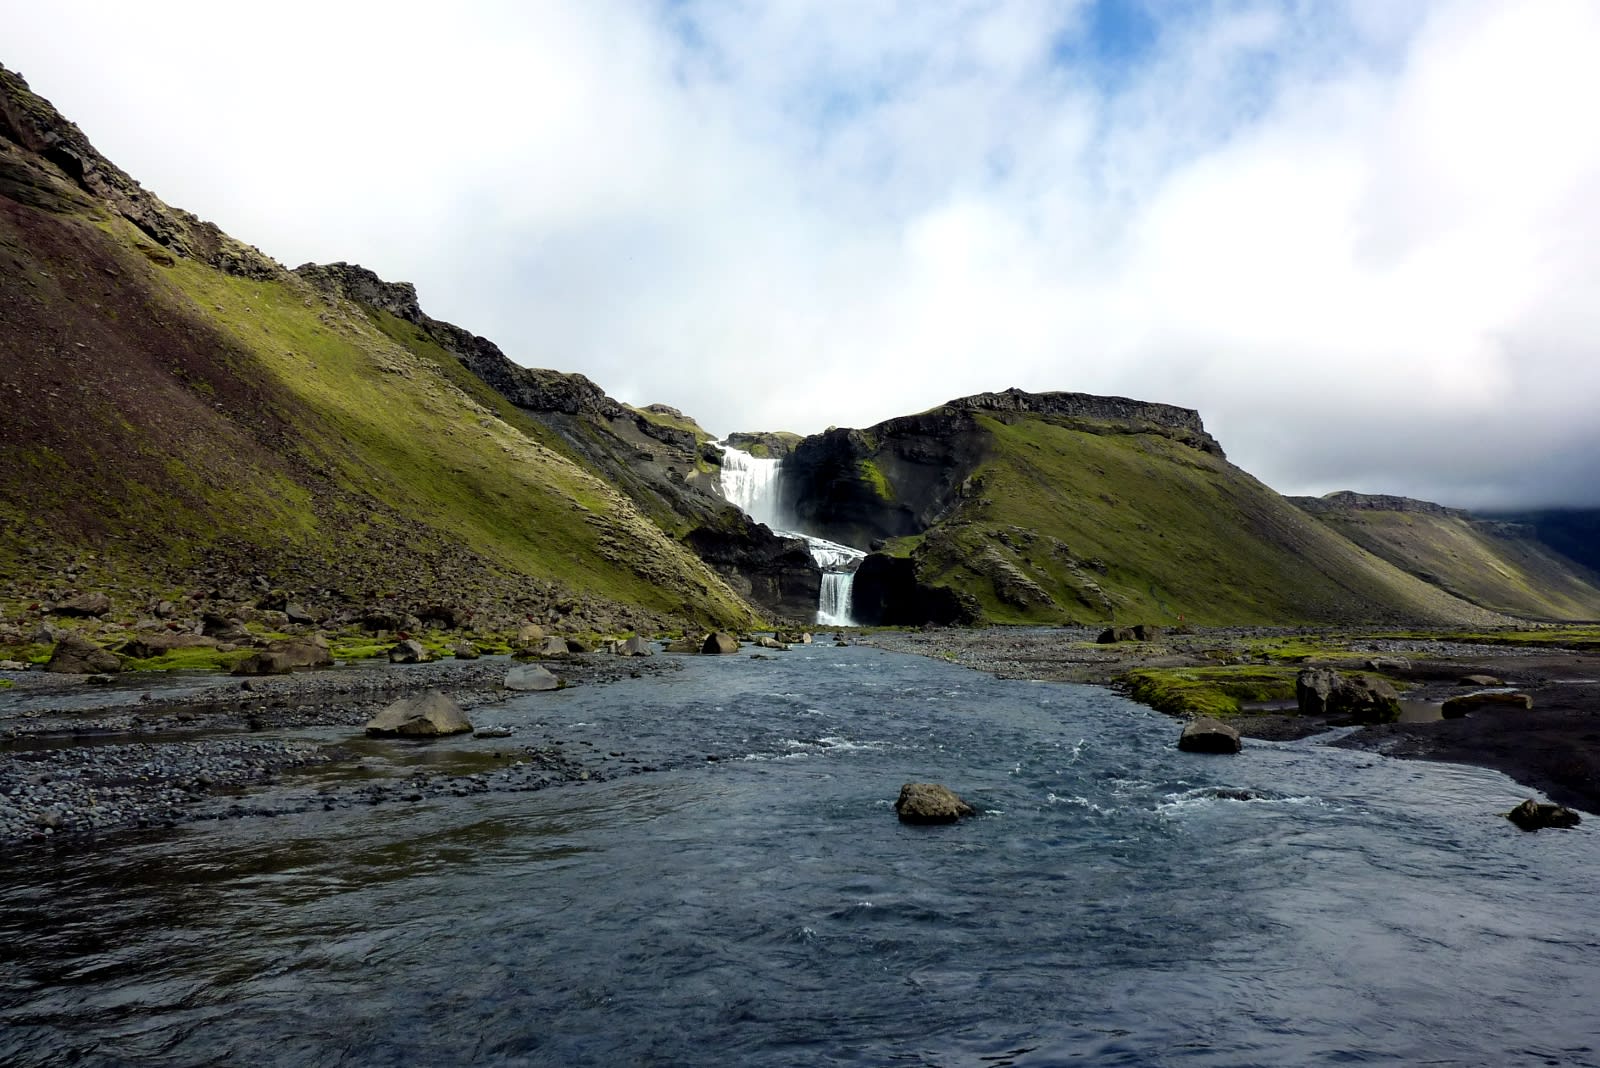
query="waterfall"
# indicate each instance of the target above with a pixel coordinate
(751, 485)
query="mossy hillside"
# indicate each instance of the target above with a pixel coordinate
(1487, 564)
(676, 422)
(397, 427)
(1112, 524)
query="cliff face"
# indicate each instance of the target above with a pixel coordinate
(190, 415)
(656, 455)
(1062, 507)
(1499, 564)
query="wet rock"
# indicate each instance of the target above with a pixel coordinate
(409, 651)
(635, 646)
(929, 802)
(1207, 735)
(685, 645)
(771, 643)
(1389, 665)
(1533, 816)
(77, 655)
(532, 678)
(425, 715)
(720, 642)
(465, 651)
(1479, 680)
(84, 605)
(1459, 707)
(492, 732)
(1362, 698)
(280, 658)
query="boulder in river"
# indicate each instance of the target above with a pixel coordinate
(1458, 707)
(685, 645)
(409, 651)
(532, 678)
(720, 642)
(280, 658)
(929, 802)
(635, 646)
(422, 716)
(1362, 698)
(1533, 816)
(85, 604)
(771, 643)
(1479, 680)
(1207, 735)
(552, 646)
(77, 655)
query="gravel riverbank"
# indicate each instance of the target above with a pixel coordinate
(78, 758)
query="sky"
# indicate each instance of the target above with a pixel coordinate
(1361, 237)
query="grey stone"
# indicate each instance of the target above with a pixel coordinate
(928, 802)
(425, 715)
(1207, 735)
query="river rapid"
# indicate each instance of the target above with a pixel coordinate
(752, 900)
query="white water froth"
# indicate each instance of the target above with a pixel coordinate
(750, 483)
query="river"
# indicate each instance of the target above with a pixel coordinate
(753, 900)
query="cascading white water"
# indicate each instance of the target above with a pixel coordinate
(750, 483)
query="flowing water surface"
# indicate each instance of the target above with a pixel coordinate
(1116, 902)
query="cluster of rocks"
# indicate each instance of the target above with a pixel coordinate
(1359, 698)
(1139, 632)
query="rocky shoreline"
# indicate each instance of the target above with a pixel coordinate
(78, 759)
(1552, 747)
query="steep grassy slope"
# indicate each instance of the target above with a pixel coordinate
(1499, 565)
(1130, 514)
(174, 418)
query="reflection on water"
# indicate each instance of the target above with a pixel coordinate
(1117, 902)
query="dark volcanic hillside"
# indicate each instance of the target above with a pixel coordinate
(1498, 564)
(1061, 506)
(184, 411)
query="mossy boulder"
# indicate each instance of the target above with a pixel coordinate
(1531, 815)
(280, 658)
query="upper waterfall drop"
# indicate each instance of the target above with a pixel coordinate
(750, 483)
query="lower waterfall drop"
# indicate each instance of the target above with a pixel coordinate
(750, 483)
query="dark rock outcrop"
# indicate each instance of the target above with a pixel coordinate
(1207, 735)
(887, 592)
(777, 573)
(84, 605)
(928, 802)
(1534, 816)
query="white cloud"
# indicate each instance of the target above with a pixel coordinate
(1359, 238)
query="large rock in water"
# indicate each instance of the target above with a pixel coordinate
(423, 716)
(1532, 816)
(928, 802)
(1458, 707)
(531, 678)
(77, 655)
(280, 658)
(1207, 735)
(635, 646)
(720, 642)
(1363, 698)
